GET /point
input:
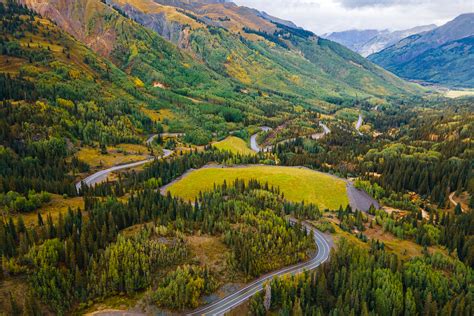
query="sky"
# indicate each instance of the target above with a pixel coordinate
(324, 16)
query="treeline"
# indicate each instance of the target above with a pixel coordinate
(455, 231)
(164, 171)
(15, 202)
(387, 197)
(358, 281)
(38, 166)
(184, 287)
(274, 38)
(431, 177)
(266, 243)
(335, 152)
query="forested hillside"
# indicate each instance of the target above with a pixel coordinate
(80, 258)
(238, 47)
(443, 55)
(445, 64)
(56, 94)
(370, 281)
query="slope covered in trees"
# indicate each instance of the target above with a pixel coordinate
(443, 55)
(359, 281)
(233, 61)
(56, 93)
(82, 258)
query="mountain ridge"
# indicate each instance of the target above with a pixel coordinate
(246, 47)
(367, 42)
(402, 57)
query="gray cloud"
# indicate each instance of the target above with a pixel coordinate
(352, 4)
(323, 16)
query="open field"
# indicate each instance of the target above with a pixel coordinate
(459, 93)
(235, 145)
(158, 115)
(298, 184)
(120, 154)
(211, 251)
(57, 205)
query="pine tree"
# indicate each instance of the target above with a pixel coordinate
(410, 305)
(297, 310)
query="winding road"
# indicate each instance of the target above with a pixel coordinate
(223, 305)
(253, 139)
(101, 175)
(453, 202)
(359, 124)
(255, 147)
(227, 303)
(326, 131)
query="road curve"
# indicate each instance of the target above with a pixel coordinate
(253, 139)
(453, 202)
(227, 303)
(359, 124)
(255, 147)
(172, 135)
(101, 175)
(326, 131)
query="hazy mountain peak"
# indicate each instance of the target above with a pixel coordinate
(366, 42)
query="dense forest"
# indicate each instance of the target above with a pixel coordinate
(370, 281)
(79, 257)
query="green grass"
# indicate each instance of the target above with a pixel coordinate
(235, 145)
(298, 184)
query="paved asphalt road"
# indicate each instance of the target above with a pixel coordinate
(326, 131)
(101, 175)
(253, 139)
(359, 124)
(227, 303)
(359, 199)
(255, 147)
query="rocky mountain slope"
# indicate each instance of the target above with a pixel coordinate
(246, 47)
(414, 56)
(366, 42)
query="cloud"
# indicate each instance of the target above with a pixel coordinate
(323, 16)
(352, 4)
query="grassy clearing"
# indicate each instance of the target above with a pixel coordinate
(158, 115)
(57, 205)
(235, 145)
(210, 251)
(298, 184)
(459, 93)
(346, 114)
(122, 153)
(18, 288)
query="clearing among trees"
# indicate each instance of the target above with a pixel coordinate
(297, 184)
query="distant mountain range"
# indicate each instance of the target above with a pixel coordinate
(366, 42)
(444, 55)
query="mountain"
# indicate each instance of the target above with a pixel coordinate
(450, 64)
(386, 38)
(353, 39)
(426, 56)
(366, 42)
(57, 95)
(231, 47)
